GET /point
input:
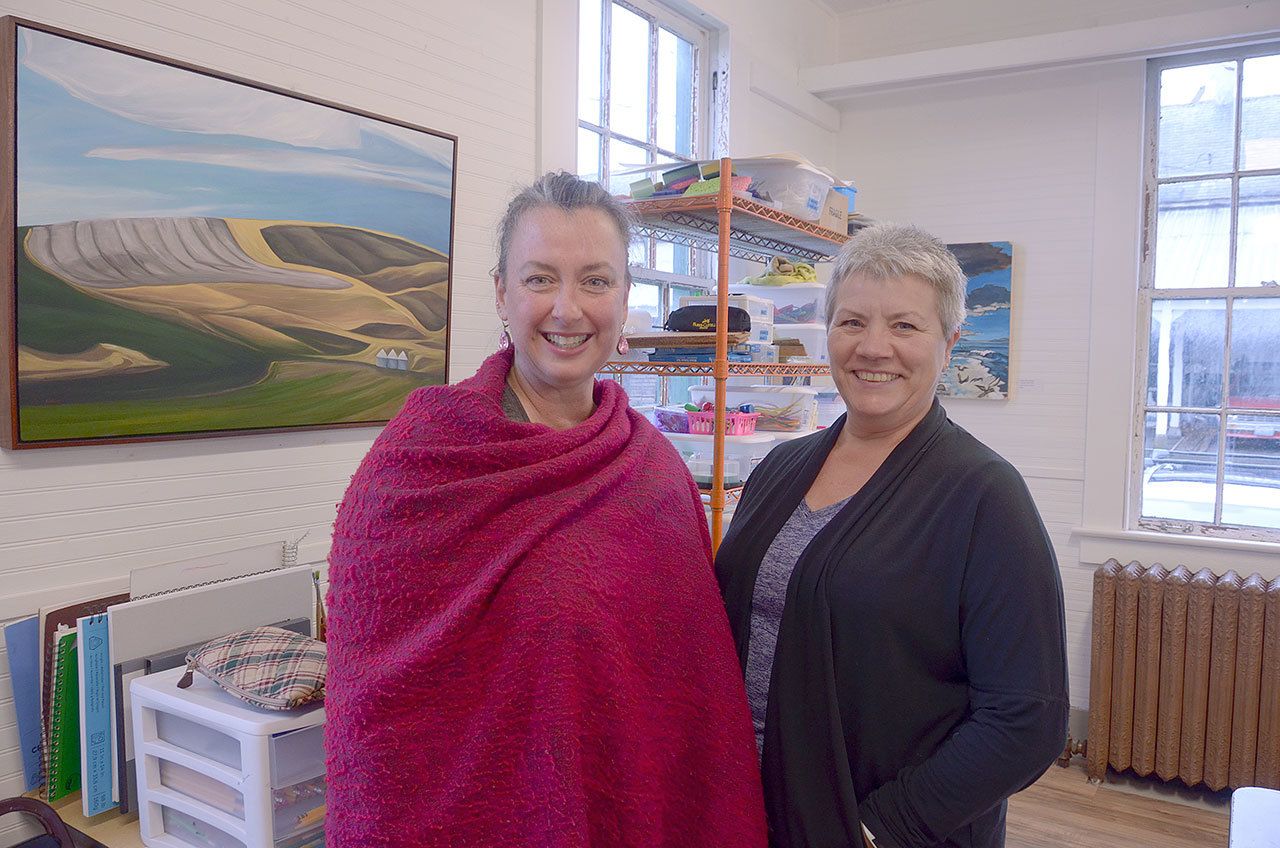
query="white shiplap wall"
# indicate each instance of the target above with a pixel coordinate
(1010, 159)
(88, 515)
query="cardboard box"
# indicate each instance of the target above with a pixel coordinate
(834, 214)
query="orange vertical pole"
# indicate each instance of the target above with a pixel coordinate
(720, 366)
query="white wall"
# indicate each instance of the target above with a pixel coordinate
(88, 515)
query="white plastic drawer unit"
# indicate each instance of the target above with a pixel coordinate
(215, 772)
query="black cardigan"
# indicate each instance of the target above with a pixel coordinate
(920, 674)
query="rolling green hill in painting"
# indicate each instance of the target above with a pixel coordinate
(171, 325)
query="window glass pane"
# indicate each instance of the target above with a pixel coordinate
(648, 297)
(1184, 364)
(626, 164)
(664, 256)
(1255, 353)
(1258, 229)
(675, 93)
(1260, 113)
(1197, 119)
(1193, 234)
(1251, 485)
(1180, 466)
(671, 257)
(629, 74)
(588, 155)
(638, 253)
(589, 35)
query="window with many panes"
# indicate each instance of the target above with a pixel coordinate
(640, 95)
(1207, 433)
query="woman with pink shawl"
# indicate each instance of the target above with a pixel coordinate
(527, 647)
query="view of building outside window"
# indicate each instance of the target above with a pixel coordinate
(1210, 299)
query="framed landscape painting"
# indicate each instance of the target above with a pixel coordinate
(979, 366)
(187, 254)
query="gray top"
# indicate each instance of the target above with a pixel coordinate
(770, 596)
(511, 406)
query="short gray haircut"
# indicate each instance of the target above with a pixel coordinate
(890, 251)
(568, 193)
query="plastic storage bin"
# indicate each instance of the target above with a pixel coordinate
(747, 451)
(215, 772)
(787, 185)
(830, 407)
(797, 303)
(812, 336)
(785, 408)
(671, 419)
(702, 468)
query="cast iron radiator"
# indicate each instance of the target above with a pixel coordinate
(1185, 676)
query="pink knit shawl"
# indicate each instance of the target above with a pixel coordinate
(526, 643)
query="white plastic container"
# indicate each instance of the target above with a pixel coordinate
(787, 184)
(215, 772)
(746, 451)
(787, 408)
(812, 336)
(830, 407)
(796, 303)
(702, 467)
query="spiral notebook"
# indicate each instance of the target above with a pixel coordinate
(63, 763)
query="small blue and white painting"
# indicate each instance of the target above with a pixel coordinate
(979, 366)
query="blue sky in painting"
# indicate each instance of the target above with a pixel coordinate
(103, 135)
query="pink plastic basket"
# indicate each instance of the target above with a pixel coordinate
(735, 423)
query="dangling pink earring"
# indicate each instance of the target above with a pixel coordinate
(623, 346)
(504, 340)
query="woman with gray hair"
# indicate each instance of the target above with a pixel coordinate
(892, 591)
(526, 644)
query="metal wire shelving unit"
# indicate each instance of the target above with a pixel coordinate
(728, 225)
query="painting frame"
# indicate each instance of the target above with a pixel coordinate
(980, 365)
(12, 435)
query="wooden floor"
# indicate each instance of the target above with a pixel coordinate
(1064, 810)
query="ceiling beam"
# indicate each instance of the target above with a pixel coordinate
(1251, 22)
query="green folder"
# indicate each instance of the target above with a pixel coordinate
(64, 720)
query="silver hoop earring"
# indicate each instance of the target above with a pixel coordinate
(504, 340)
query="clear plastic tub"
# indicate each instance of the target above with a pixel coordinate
(787, 185)
(701, 467)
(796, 303)
(785, 408)
(830, 407)
(747, 451)
(812, 336)
(671, 419)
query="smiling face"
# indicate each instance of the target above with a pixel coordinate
(563, 295)
(888, 347)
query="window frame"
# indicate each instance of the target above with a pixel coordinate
(658, 18)
(1228, 294)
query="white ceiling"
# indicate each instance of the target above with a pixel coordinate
(845, 7)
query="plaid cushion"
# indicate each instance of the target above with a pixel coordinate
(267, 666)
